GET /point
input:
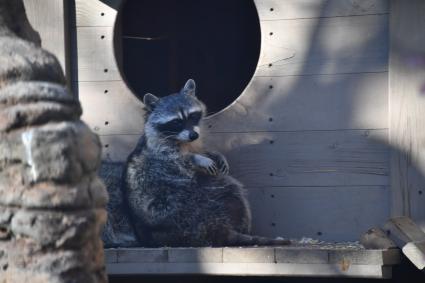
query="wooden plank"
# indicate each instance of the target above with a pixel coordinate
(409, 237)
(271, 10)
(311, 158)
(304, 159)
(348, 101)
(329, 213)
(111, 256)
(371, 257)
(195, 255)
(118, 147)
(96, 13)
(111, 108)
(246, 269)
(353, 101)
(49, 18)
(347, 45)
(142, 255)
(258, 255)
(335, 158)
(407, 104)
(324, 46)
(303, 256)
(96, 59)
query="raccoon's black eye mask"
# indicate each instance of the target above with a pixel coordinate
(173, 126)
(177, 125)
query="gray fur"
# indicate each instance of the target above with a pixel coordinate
(179, 195)
(118, 230)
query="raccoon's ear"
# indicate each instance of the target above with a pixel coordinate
(150, 101)
(189, 88)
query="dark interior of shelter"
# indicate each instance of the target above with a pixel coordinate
(166, 42)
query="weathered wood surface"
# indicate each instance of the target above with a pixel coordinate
(348, 101)
(324, 46)
(96, 13)
(302, 47)
(407, 104)
(316, 260)
(273, 10)
(49, 18)
(325, 213)
(113, 109)
(96, 59)
(325, 158)
(328, 75)
(409, 237)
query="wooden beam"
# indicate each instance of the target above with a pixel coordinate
(407, 104)
(409, 237)
(333, 260)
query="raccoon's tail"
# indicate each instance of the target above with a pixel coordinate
(240, 239)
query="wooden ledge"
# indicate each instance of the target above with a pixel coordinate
(330, 260)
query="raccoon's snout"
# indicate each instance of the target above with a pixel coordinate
(193, 135)
(187, 136)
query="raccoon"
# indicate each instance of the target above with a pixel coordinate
(180, 194)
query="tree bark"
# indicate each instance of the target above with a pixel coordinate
(51, 200)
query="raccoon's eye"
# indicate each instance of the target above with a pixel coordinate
(172, 126)
(195, 116)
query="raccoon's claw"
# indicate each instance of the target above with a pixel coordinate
(223, 166)
(206, 164)
(212, 169)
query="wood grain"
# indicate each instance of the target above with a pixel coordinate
(349, 101)
(96, 13)
(334, 158)
(49, 19)
(407, 104)
(96, 59)
(110, 108)
(324, 46)
(271, 10)
(324, 213)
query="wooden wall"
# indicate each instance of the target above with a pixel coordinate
(308, 136)
(407, 105)
(50, 20)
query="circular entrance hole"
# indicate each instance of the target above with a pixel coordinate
(161, 43)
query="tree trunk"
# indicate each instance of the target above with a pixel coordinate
(51, 200)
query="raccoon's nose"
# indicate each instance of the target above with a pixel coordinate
(193, 135)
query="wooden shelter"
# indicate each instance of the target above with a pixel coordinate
(326, 133)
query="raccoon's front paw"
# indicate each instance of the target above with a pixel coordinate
(206, 164)
(223, 166)
(221, 162)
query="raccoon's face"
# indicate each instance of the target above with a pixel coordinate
(175, 117)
